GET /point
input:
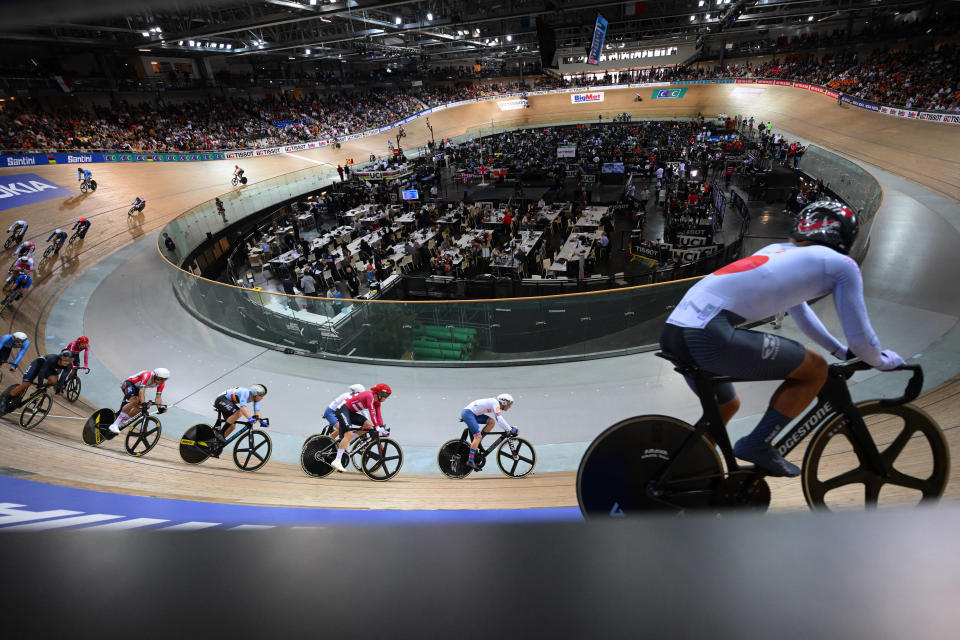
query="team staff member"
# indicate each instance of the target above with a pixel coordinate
(10, 342)
(135, 392)
(362, 410)
(49, 369)
(232, 404)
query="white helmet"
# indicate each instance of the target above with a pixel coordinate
(357, 388)
(20, 336)
(58, 231)
(505, 399)
(160, 372)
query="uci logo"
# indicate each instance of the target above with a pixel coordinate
(669, 93)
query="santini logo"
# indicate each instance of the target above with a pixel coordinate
(20, 162)
(71, 159)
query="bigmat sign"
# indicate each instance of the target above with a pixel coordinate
(582, 98)
(27, 188)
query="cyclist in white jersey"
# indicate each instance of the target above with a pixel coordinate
(332, 413)
(476, 412)
(780, 277)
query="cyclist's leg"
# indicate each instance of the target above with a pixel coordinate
(331, 417)
(230, 410)
(131, 405)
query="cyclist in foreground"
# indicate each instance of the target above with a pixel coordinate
(135, 393)
(8, 343)
(139, 204)
(361, 410)
(476, 412)
(238, 173)
(17, 288)
(51, 369)
(58, 237)
(780, 277)
(332, 413)
(232, 404)
(84, 176)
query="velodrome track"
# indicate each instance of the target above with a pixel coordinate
(131, 315)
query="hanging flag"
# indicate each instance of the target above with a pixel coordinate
(64, 84)
(634, 8)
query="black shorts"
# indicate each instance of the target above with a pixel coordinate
(351, 419)
(129, 390)
(225, 406)
(34, 374)
(5, 353)
(723, 349)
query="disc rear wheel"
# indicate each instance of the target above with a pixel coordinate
(617, 472)
(452, 459)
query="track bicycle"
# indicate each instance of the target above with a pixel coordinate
(380, 457)
(88, 185)
(515, 456)
(12, 241)
(136, 210)
(251, 452)
(143, 429)
(35, 406)
(51, 250)
(860, 452)
(357, 445)
(71, 388)
(238, 181)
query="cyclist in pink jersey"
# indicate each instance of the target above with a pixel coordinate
(361, 410)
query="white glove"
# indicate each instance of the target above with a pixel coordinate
(383, 431)
(890, 360)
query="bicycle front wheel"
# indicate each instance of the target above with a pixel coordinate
(252, 450)
(617, 472)
(355, 451)
(914, 451)
(516, 457)
(143, 437)
(72, 389)
(382, 460)
(35, 410)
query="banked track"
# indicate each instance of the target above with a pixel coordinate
(926, 153)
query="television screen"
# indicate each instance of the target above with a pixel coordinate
(411, 194)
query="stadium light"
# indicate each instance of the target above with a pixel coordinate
(397, 20)
(429, 15)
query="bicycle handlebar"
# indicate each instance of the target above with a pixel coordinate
(914, 385)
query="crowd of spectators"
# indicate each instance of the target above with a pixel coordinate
(911, 78)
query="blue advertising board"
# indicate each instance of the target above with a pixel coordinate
(27, 188)
(599, 34)
(411, 194)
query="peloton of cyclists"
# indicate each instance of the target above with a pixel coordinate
(135, 392)
(17, 340)
(332, 413)
(476, 412)
(18, 229)
(232, 404)
(58, 237)
(81, 225)
(361, 410)
(138, 204)
(51, 369)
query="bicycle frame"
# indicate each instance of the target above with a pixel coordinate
(483, 451)
(832, 400)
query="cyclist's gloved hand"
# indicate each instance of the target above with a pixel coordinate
(890, 360)
(513, 431)
(264, 422)
(161, 408)
(383, 431)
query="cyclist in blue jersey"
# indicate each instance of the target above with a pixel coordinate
(702, 329)
(81, 225)
(332, 414)
(83, 175)
(18, 287)
(232, 404)
(58, 237)
(138, 204)
(17, 340)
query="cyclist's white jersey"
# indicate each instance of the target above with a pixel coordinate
(782, 277)
(488, 405)
(18, 225)
(339, 402)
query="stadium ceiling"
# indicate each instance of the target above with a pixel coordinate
(434, 30)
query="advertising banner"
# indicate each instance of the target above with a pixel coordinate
(513, 105)
(582, 98)
(28, 188)
(663, 94)
(569, 151)
(599, 34)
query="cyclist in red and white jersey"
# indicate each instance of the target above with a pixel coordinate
(25, 249)
(22, 266)
(361, 410)
(135, 391)
(780, 277)
(476, 412)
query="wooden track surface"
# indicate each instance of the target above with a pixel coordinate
(924, 152)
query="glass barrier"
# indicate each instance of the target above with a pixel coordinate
(532, 329)
(856, 186)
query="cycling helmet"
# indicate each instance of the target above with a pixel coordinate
(58, 231)
(381, 388)
(505, 399)
(83, 340)
(161, 373)
(20, 336)
(357, 388)
(66, 354)
(826, 222)
(258, 389)
(82, 220)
